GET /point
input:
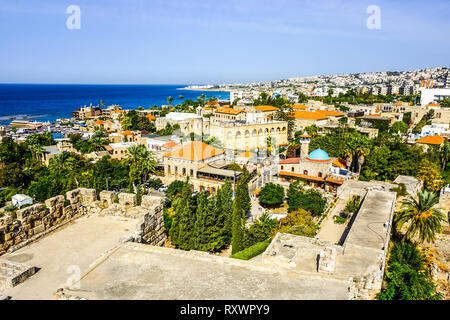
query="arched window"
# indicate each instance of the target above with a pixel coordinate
(278, 130)
(247, 133)
(283, 129)
(229, 135)
(260, 132)
(266, 131)
(184, 171)
(320, 174)
(238, 134)
(282, 168)
(305, 172)
(292, 169)
(192, 172)
(272, 131)
(254, 133)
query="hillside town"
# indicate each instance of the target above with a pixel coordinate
(323, 183)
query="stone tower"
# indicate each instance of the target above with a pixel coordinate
(305, 139)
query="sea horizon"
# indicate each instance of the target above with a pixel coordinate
(48, 102)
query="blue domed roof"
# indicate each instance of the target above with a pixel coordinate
(318, 155)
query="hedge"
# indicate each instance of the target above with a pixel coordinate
(252, 251)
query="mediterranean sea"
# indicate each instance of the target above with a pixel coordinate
(48, 102)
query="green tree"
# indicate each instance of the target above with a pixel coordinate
(423, 217)
(182, 228)
(271, 195)
(399, 126)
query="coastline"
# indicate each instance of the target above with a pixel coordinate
(205, 89)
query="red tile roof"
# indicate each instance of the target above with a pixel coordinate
(290, 161)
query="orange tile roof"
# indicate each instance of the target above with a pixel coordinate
(340, 163)
(256, 192)
(98, 122)
(398, 103)
(194, 151)
(212, 103)
(150, 117)
(298, 175)
(374, 115)
(170, 145)
(266, 108)
(433, 105)
(330, 113)
(333, 180)
(299, 106)
(108, 148)
(118, 111)
(436, 139)
(228, 110)
(309, 115)
(128, 133)
(246, 154)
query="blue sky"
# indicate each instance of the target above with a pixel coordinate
(206, 41)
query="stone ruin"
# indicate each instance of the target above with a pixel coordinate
(12, 273)
(327, 260)
(39, 219)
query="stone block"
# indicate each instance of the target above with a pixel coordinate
(127, 200)
(30, 211)
(107, 198)
(74, 196)
(38, 229)
(88, 195)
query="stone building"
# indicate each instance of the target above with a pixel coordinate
(316, 168)
(196, 161)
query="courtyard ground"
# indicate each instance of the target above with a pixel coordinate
(62, 254)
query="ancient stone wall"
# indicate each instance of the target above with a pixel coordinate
(37, 220)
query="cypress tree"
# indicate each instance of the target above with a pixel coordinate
(225, 203)
(182, 230)
(239, 212)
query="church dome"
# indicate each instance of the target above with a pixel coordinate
(318, 155)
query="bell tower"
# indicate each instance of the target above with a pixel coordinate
(305, 139)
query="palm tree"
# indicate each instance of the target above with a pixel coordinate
(36, 150)
(445, 154)
(141, 162)
(169, 100)
(423, 217)
(62, 162)
(181, 97)
(102, 103)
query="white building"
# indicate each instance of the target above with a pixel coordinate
(19, 200)
(433, 95)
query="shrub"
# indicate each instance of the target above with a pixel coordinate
(352, 205)
(10, 208)
(400, 190)
(252, 251)
(299, 222)
(339, 219)
(407, 277)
